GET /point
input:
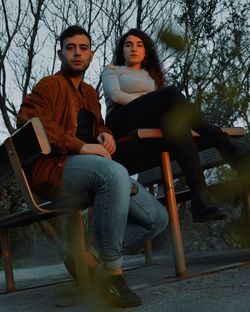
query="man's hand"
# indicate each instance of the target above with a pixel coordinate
(107, 141)
(95, 149)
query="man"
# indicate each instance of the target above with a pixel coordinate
(81, 161)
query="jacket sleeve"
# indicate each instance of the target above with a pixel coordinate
(112, 88)
(40, 103)
(100, 126)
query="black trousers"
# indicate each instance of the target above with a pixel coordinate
(168, 109)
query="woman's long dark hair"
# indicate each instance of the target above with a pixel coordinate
(150, 63)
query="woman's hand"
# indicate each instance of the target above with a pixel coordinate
(107, 141)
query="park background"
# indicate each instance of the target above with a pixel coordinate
(204, 50)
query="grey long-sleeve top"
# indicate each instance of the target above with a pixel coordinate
(122, 85)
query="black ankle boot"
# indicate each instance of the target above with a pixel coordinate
(204, 210)
(237, 154)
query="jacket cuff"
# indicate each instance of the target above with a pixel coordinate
(103, 129)
(76, 145)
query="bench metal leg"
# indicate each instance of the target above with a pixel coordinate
(77, 241)
(180, 265)
(7, 261)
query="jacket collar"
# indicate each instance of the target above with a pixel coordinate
(67, 78)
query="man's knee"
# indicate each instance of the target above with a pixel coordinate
(116, 173)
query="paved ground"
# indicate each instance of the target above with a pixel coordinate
(216, 282)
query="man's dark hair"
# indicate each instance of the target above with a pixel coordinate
(72, 31)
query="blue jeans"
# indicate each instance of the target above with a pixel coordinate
(119, 221)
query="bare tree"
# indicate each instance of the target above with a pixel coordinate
(19, 34)
(213, 71)
(8, 33)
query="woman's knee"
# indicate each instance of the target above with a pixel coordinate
(174, 94)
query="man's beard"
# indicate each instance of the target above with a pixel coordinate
(72, 72)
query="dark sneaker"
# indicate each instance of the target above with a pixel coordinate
(115, 290)
(203, 210)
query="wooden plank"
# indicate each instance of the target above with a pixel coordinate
(31, 140)
(41, 136)
(156, 133)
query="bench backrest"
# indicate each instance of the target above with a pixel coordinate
(25, 145)
(30, 141)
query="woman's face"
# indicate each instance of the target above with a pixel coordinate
(133, 51)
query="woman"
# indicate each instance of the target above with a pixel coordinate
(137, 97)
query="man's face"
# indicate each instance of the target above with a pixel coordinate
(75, 55)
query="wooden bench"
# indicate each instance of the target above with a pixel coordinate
(138, 151)
(25, 145)
(144, 149)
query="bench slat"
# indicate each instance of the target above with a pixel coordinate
(26, 217)
(156, 133)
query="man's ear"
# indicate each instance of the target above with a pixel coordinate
(59, 53)
(92, 55)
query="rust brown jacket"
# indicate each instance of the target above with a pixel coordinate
(56, 102)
